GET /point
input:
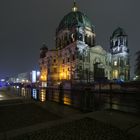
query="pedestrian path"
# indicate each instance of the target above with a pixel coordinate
(59, 109)
(124, 121)
(100, 125)
(71, 123)
(127, 122)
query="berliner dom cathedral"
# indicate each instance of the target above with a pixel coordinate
(76, 56)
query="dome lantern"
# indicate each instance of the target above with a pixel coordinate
(74, 8)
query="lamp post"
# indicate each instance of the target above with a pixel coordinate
(85, 71)
(83, 58)
(71, 78)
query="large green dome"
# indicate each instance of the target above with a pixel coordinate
(74, 19)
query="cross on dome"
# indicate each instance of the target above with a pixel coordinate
(74, 8)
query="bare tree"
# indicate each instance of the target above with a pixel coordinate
(137, 69)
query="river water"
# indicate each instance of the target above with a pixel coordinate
(86, 100)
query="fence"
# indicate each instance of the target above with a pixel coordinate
(86, 99)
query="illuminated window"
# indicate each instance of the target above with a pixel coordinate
(115, 74)
(115, 63)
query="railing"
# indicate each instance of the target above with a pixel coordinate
(87, 99)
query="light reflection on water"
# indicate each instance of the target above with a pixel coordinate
(34, 94)
(115, 106)
(55, 95)
(76, 99)
(67, 100)
(23, 92)
(1, 97)
(42, 95)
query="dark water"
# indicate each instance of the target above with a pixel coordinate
(86, 100)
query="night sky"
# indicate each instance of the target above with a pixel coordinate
(26, 24)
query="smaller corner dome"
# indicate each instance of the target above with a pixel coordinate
(44, 47)
(119, 32)
(76, 18)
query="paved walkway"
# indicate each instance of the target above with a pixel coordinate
(63, 111)
(124, 121)
(127, 122)
(72, 124)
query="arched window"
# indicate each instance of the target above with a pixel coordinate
(89, 40)
(86, 40)
(116, 43)
(121, 41)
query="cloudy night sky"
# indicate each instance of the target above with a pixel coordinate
(26, 24)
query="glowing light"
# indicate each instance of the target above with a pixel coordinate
(136, 77)
(42, 95)
(17, 80)
(67, 100)
(38, 73)
(64, 74)
(33, 76)
(2, 80)
(115, 74)
(115, 63)
(44, 84)
(74, 9)
(23, 92)
(1, 96)
(43, 75)
(34, 94)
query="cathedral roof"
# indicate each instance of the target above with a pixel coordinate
(119, 32)
(74, 18)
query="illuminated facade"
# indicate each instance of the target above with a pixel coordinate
(76, 56)
(120, 55)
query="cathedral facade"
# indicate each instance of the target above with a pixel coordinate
(76, 56)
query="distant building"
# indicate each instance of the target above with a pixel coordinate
(78, 58)
(26, 77)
